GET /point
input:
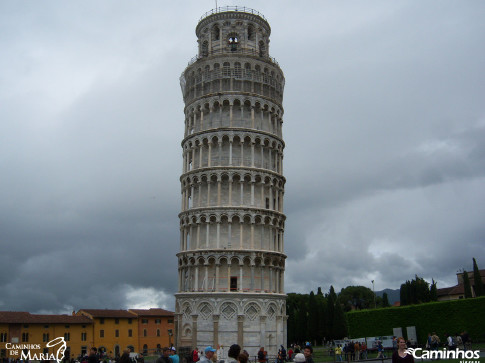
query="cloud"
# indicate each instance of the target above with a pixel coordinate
(384, 158)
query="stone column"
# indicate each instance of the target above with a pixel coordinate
(241, 200)
(216, 284)
(252, 154)
(230, 111)
(240, 330)
(196, 284)
(218, 240)
(229, 276)
(229, 234)
(230, 152)
(241, 222)
(251, 287)
(178, 329)
(194, 330)
(207, 233)
(206, 278)
(215, 329)
(220, 153)
(252, 192)
(252, 117)
(262, 337)
(209, 156)
(208, 192)
(241, 267)
(242, 153)
(230, 189)
(219, 181)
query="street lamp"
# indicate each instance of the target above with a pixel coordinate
(170, 337)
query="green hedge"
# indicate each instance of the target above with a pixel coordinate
(440, 317)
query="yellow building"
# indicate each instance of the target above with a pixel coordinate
(34, 331)
(113, 330)
(155, 329)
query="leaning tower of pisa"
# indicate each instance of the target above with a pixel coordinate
(231, 261)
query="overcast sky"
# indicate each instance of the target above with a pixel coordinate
(384, 127)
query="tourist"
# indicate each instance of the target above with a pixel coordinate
(363, 350)
(174, 356)
(338, 352)
(400, 355)
(93, 357)
(165, 358)
(243, 357)
(125, 357)
(307, 352)
(233, 353)
(261, 355)
(435, 341)
(209, 354)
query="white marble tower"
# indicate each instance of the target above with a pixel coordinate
(231, 262)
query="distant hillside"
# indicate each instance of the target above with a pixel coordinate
(392, 295)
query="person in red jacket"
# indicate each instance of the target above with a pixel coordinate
(195, 355)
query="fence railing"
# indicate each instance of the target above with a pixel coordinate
(223, 9)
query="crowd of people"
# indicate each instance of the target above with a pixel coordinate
(350, 351)
(452, 342)
(236, 354)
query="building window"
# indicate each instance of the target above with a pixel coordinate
(84, 337)
(144, 321)
(129, 320)
(158, 332)
(26, 326)
(66, 326)
(250, 32)
(130, 333)
(46, 326)
(84, 350)
(233, 283)
(215, 33)
(117, 333)
(145, 349)
(101, 320)
(3, 353)
(144, 332)
(45, 337)
(158, 321)
(25, 337)
(67, 337)
(101, 333)
(3, 337)
(117, 321)
(170, 321)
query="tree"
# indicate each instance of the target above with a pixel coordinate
(340, 321)
(466, 285)
(356, 297)
(477, 280)
(416, 291)
(385, 300)
(313, 318)
(433, 291)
